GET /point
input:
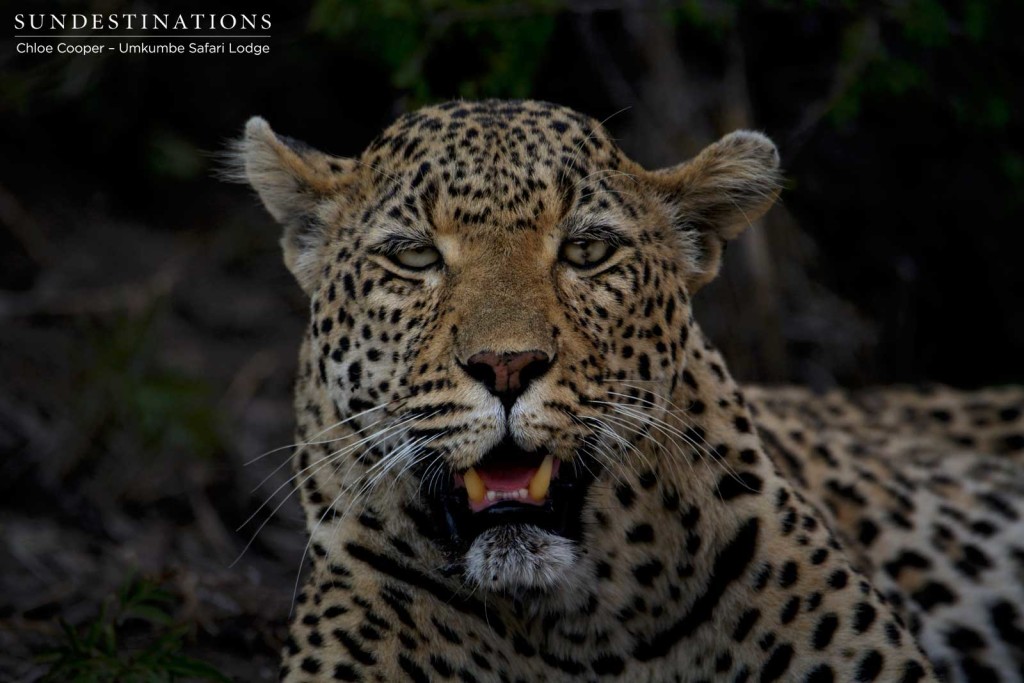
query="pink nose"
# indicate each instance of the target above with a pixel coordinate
(507, 375)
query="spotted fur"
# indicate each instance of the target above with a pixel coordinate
(728, 534)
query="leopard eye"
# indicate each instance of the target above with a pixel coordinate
(586, 253)
(419, 258)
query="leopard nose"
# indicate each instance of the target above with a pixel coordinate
(507, 375)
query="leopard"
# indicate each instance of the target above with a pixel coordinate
(519, 458)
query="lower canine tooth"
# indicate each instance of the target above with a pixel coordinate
(492, 495)
(541, 479)
(474, 486)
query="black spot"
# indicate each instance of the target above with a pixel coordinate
(789, 574)
(867, 532)
(608, 665)
(863, 616)
(355, 373)
(644, 366)
(441, 666)
(310, 665)
(912, 672)
(743, 484)
(974, 561)
(370, 522)
(983, 528)
(641, 533)
(523, 646)
(414, 672)
(824, 631)
(820, 674)
(907, 559)
(625, 494)
(745, 624)
(447, 633)
(892, 633)
(964, 639)
(999, 505)
(764, 574)
(344, 672)
(354, 649)
(481, 661)
(790, 611)
(870, 666)
(1004, 618)
(976, 671)
(838, 579)
(570, 666)
(1010, 414)
(646, 573)
(407, 641)
(933, 593)
(777, 664)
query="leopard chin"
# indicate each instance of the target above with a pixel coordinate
(521, 559)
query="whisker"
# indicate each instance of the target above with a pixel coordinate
(303, 444)
(331, 456)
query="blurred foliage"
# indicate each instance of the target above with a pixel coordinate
(501, 44)
(123, 389)
(175, 156)
(140, 613)
(924, 47)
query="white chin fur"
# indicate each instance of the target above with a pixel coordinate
(516, 558)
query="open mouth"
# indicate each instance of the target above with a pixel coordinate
(513, 486)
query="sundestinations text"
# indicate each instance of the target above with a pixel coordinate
(132, 21)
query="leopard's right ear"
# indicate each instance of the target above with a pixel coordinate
(297, 185)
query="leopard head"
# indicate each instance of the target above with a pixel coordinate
(498, 297)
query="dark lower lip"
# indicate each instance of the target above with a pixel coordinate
(560, 514)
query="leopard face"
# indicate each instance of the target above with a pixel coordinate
(500, 307)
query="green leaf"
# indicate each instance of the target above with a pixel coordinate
(976, 19)
(194, 668)
(926, 22)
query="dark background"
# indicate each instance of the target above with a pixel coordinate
(148, 329)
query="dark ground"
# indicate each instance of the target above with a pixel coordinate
(148, 329)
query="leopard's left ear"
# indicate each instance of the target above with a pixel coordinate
(717, 194)
(298, 186)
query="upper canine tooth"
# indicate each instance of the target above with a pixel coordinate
(474, 486)
(542, 479)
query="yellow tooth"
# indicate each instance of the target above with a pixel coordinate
(541, 479)
(474, 486)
